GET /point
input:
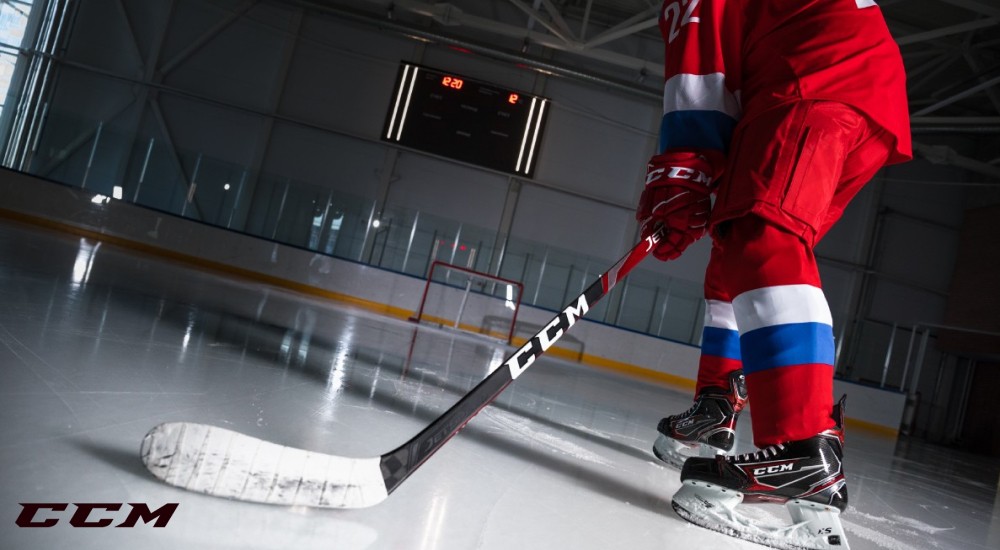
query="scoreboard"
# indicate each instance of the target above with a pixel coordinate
(477, 122)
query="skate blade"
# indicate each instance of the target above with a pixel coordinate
(814, 526)
(674, 452)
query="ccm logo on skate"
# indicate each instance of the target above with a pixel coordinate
(776, 469)
(82, 517)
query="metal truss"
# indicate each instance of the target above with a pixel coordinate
(951, 49)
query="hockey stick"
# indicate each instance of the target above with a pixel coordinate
(225, 463)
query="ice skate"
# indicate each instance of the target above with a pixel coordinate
(806, 475)
(707, 429)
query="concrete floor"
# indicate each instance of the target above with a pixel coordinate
(98, 344)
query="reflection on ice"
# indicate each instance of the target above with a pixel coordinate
(85, 255)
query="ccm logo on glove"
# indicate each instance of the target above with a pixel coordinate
(678, 197)
(678, 172)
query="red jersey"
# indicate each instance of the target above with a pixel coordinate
(731, 59)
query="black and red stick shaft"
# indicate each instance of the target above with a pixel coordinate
(398, 464)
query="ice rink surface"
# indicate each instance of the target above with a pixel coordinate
(98, 344)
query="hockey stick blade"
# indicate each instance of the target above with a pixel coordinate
(224, 463)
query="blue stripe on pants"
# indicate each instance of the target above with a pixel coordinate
(720, 342)
(785, 345)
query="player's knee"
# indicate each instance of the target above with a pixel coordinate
(757, 253)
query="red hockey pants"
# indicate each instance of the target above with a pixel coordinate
(792, 171)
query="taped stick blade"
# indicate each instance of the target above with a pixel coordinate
(220, 462)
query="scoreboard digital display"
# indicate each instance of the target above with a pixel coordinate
(456, 117)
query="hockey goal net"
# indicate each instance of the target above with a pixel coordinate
(464, 299)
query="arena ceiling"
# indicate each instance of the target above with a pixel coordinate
(951, 49)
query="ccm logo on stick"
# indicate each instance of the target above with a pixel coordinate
(82, 516)
(525, 356)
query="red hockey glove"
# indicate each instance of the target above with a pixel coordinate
(678, 196)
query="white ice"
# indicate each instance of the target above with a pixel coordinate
(93, 356)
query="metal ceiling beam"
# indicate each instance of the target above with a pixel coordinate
(419, 32)
(537, 16)
(959, 96)
(557, 18)
(946, 31)
(586, 20)
(977, 67)
(923, 74)
(955, 120)
(637, 23)
(445, 13)
(976, 6)
(208, 36)
(449, 14)
(942, 154)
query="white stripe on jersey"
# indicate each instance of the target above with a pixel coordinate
(781, 305)
(720, 314)
(700, 92)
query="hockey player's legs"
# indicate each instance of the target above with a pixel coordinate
(792, 172)
(786, 346)
(785, 326)
(720, 341)
(709, 426)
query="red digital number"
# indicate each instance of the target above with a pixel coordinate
(512, 99)
(452, 82)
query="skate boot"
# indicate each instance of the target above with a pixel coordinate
(707, 429)
(806, 476)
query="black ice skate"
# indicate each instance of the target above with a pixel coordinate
(806, 476)
(707, 429)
